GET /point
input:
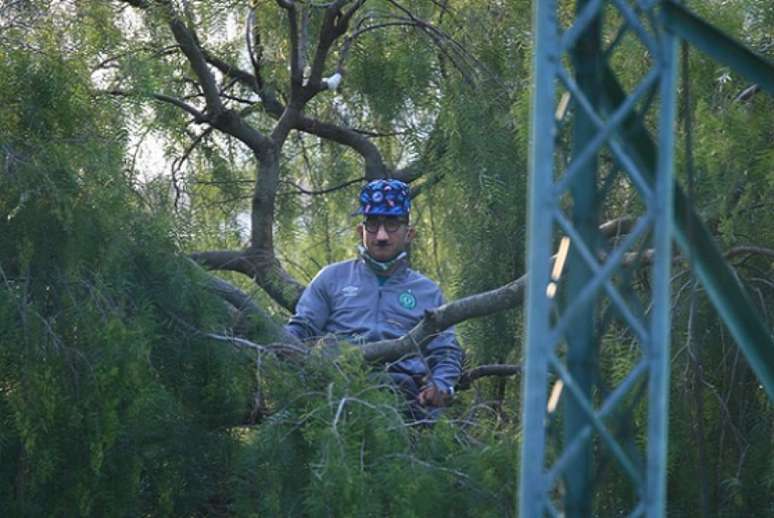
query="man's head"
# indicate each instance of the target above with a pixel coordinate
(385, 231)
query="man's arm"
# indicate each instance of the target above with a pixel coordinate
(312, 310)
(444, 358)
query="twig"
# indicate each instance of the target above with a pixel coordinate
(301, 190)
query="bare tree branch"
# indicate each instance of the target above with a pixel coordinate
(189, 45)
(301, 190)
(374, 164)
(177, 164)
(254, 47)
(296, 67)
(225, 260)
(262, 266)
(109, 61)
(270, 102)
(335, 24)
(199, 117)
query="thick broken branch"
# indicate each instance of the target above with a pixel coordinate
(506, 297)
(443, 317)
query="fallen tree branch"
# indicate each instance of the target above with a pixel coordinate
(482, 304)
(436, 320)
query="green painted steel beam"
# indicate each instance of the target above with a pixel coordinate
(718, 45)
(582, 342)
(533, 501)
(723, 287)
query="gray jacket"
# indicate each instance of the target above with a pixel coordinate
(346, 300)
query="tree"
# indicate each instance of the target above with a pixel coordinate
(240, 98)
(260, 108)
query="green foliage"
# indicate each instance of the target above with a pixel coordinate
(110, 402)
(114, 402)
(389, 72)
(343, 448)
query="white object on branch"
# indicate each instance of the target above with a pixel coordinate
(333, 82)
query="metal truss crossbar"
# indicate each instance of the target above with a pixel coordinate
(630, 166)
(602, 276)
(606, 129)
(585, 433)
(634, 22)
(582, 21)
(629, 467)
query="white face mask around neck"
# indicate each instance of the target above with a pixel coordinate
(379, 266)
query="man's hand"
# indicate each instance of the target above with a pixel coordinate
(432, 395)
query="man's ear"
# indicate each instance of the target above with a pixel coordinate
(359, 229)
(411, 234)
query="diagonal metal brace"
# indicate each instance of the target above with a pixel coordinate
(723, 287)
(718, 45)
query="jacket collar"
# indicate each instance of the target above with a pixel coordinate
(399, 263)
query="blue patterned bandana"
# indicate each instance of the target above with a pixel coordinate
(385, 198)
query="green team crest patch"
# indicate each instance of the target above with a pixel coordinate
(407, 300)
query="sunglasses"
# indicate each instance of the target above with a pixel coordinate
(390, 225)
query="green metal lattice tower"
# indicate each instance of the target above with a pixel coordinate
(573, 296)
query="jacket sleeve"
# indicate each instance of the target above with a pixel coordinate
(444, 355)
(312, 310)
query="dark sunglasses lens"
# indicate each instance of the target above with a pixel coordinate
(390, 225)
(372, 226)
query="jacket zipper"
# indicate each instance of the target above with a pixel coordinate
(379, 313)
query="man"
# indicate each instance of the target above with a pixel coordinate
(377, 297)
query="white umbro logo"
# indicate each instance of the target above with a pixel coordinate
(349, 291)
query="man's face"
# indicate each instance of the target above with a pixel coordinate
(385, 236)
